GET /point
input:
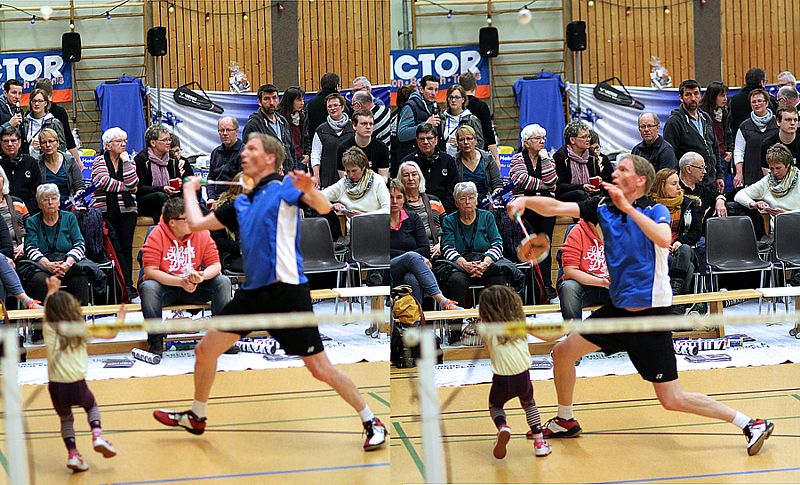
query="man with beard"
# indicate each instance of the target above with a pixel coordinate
(267, 120)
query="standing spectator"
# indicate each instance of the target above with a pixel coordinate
(114, 173)
(715, 104)
(690, 130)
(480, 109)
(10, 112)
(60, 113)
(380, 112)
(534, 173)
(155, 168)
(267, 120)
(38, 119)
(475, 165)
(786, 135)
(749, 137)
(786, 78)
(420, 108)
(576, 163)
(788, 96)
(58, 167)
(225, 158)
(654, 147)
(454, 117)
(377, 153)
(403, 93)
(316, 108)
(291, 108)
(325, 147)
(362, 84)
(755, 78)
(22, 169)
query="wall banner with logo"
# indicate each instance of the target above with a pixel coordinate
(30, 66)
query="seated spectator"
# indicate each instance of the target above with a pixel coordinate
(14, 214)
(585, 279)
(778, 191)
(325, 145)
(654, 147)
(686, 222)
(410, 252)
(475, 165)
(576, 163)
(22, 170)
(114, 174)
(155, 168)
(436, 167)
(361, 191)
(184, 167)
(54, 243)
(227, 241)
(59, 167)
(454, 117)
(179, 267)
(428, 207)
(10, 285)
(37, 120)
(749, 136)
(225, 160)
(534, 173)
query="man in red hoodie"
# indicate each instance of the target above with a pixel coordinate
(180, 266)
(585, 280)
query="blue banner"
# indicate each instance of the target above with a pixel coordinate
(447, 63)
(30, 66)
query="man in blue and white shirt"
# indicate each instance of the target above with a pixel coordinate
(637, 237)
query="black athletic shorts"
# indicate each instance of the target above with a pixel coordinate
(652, 353)
(279, 298)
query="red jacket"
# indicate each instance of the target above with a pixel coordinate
(178, 258)
(584, 248)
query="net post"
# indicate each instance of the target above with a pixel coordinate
(12, 399)
(429, 409)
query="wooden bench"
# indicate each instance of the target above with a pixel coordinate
(714, 299)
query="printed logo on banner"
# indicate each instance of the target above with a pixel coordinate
(409, 66)
(30, 66)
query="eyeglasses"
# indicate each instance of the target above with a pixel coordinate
(178, 218)
(10, 141)
(38, 101)
(699, 167)
(426, 138)
(455, 98)
(647, 127)
(165, 140)
(119, 141)
(466, 198)
(538, 138)
(227, 130)
(466, 138)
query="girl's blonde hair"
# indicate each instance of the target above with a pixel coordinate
(500, 303)
(62, 307)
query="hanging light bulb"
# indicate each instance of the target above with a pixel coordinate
(108, 15)
(666, 9)
(628, 10)
(171, 8)
(244, 16)
(46, 12)
(524, 15)
(208, 16)
(449, 15)
(590, 3)
(33, 20)
(71, 26)
(489, 20)
(281, 8)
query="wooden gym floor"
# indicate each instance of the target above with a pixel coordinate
(264, 426)
(627, 436)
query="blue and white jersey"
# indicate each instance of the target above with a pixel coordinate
(268, 220)
(637, 267)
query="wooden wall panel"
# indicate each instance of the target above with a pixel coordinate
(621, 45)
(759, 34)
(199, 49)
(350, 37)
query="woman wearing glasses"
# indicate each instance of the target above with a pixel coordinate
(37, 119)
(749, 136)
(454, 117)
(475, 165)
(58, 167)
(115, 176)
(576, 163)
(155, 168)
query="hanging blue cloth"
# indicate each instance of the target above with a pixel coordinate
(121, 104)
(541, 101)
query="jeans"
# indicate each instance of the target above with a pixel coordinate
(681, 269)
(156, 296)
(574, 296)
(410, 268)
(9, 281)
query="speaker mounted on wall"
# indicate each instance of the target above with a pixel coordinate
(489, 42)
(71, 46)
(576, 36)
(157, 41)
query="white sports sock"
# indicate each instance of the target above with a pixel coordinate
(741, 420)
(565, 412)
(199, 408)
(366, 415)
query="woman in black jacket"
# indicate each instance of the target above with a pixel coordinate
(715, 103)
(155, 168)
(576, 164)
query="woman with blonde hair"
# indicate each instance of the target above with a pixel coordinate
(58, 167)
(476, 165)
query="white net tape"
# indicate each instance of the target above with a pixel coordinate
(17, 462)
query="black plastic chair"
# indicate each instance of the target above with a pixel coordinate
(731, 247)
(316, 244)
(369, 243)
(786, 248)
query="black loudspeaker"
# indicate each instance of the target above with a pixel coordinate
(157, 41)
(71, 46)
(489, 42)
(576, 35)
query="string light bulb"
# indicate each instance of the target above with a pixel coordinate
(666, 9)
(628, 10)
(171, 8)
(108, 15)
(281, 8)
(244, 16)
(46, 12)
(71, 26)
(449, 14)
(208, 16)
(489, 19)
(590, 3)
(33, 20)
(524, 15)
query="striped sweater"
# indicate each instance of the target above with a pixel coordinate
(107, 182)
(525, 181)
(64, 237)
(482, 236)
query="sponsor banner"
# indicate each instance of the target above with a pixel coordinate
(447, 63)
(30, 66)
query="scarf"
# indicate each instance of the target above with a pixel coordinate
(782, 188)
(158, 168)
(717, 114)
(761, 121)
(579, 165)
(672, 203)
(294, 118)
(451, 124)
(338, 126)
(357, 190)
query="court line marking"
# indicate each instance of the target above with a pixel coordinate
(380, 399)
(409, 448)
(707, 475)
(255, 474)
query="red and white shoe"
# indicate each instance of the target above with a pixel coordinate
(503, 436)
(542, 448)
(756, 433)
(561, 428)
(376, 434)
(76, 463)
(185, 419)
(102, 446)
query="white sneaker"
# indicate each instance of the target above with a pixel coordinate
(76, 463)
(503, 436)
(542, 448)
(104, 447)
(376, 434)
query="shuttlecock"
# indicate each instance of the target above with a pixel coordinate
(46, 12)
(524, 16)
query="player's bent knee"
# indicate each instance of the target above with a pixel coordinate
(672, 402)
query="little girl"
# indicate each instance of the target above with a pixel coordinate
(66, 368)
(511, 361)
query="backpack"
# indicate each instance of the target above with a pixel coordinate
(406, 313)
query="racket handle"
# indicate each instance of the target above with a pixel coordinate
(519, 221)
